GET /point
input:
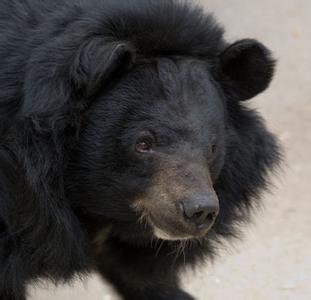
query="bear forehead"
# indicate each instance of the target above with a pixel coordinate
(179, 90)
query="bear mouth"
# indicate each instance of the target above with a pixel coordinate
(162, 235)
(173, 231)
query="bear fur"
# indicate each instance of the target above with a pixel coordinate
(84, 84)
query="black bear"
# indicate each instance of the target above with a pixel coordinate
(126, 147)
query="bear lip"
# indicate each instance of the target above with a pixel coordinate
(165, 235)
(160, 234)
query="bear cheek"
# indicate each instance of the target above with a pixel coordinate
(159, 203)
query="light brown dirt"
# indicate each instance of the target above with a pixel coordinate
(274, 260)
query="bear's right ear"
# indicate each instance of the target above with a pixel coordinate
(246, 69)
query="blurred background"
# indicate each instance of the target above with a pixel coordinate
(273, 261)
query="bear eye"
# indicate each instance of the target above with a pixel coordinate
(213, 148)
(144, 144)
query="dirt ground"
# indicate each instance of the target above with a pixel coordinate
(273, 262)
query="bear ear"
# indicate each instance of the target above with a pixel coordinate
(96, 62)
(246, 68)
(60, 72)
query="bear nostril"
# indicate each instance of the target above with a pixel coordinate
(211, 217)
(198, 215)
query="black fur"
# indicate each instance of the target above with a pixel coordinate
(79, 79)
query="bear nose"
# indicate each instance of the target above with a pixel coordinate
(202, 211)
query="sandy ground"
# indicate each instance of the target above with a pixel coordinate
(274, 260)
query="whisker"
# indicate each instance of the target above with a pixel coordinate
(161, 244)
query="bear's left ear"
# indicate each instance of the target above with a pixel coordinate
(96, 61)
(246, 69)
(62, 72)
